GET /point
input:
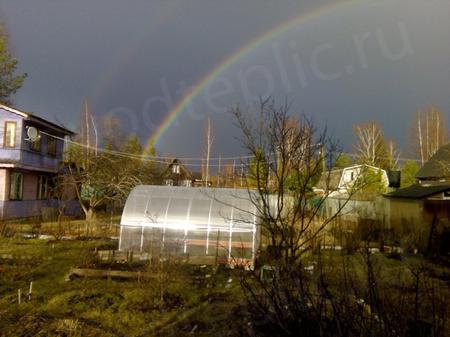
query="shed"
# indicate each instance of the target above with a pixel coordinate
(207, 225)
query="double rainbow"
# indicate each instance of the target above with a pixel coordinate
(234, 57)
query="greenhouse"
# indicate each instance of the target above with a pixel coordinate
(207, 225)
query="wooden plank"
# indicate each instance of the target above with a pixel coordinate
(113, 274)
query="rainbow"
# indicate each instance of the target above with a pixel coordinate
(234, 57)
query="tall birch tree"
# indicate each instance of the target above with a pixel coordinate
(429, 132)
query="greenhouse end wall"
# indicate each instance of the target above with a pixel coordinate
(206, 225)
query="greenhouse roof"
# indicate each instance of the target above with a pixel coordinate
(189, 208)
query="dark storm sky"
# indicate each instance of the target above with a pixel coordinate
(367, 60)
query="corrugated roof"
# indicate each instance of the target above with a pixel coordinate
(418, 191)
(438, 166)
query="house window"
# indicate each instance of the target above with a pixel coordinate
(176, 168)
(16, 186)
(10, 134)
(36, 145)
(42, 189)
(169, 182)
(51, 146)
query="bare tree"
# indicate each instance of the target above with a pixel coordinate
(208, 144)
(370, 145)
(307, 292)
(62, 191)
(429, 132)
(98, 179)
(219, 171)
(87, 137)
(392, 156)
(288, 160)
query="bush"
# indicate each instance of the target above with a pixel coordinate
(351, 242)
(49, 214)
(394, 256)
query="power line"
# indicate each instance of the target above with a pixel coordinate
(155, 159)
(143, 156)
(164, 159)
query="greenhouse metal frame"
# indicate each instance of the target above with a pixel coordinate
(207, 225)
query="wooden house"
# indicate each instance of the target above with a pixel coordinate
(338, 185)
(27, 167)
(423, 207)
(177, 174)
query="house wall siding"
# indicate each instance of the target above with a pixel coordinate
(22, 153)
(402, 215)
(31, 163)
(24, 208)
(10, 154)
(37, 160)
(42, 159)
(33, 208)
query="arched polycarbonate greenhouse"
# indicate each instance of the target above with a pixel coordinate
(208, 225)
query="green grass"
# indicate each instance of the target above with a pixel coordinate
(104, 225)
(90, 307)
(95, 307)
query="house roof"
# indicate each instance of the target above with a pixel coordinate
(183, 168)
(438, 166)
(418, 191)
(37, 119)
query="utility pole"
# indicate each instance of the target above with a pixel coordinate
(209, 140)
(96, 134)
(218, 171)
(242, 173)
(234, 174)
(88, 134)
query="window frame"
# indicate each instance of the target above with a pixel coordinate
(52, 151)
(5, 138)
(45, 195)
(176, 168)
(36, 146)
(20, 191)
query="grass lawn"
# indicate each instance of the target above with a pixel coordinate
(90, 307)
(194, 300)
(103, 226)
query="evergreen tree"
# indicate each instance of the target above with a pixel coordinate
(343, 161)
(409, 171)
(9, 82)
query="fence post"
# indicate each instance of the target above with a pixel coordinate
(30, 291)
